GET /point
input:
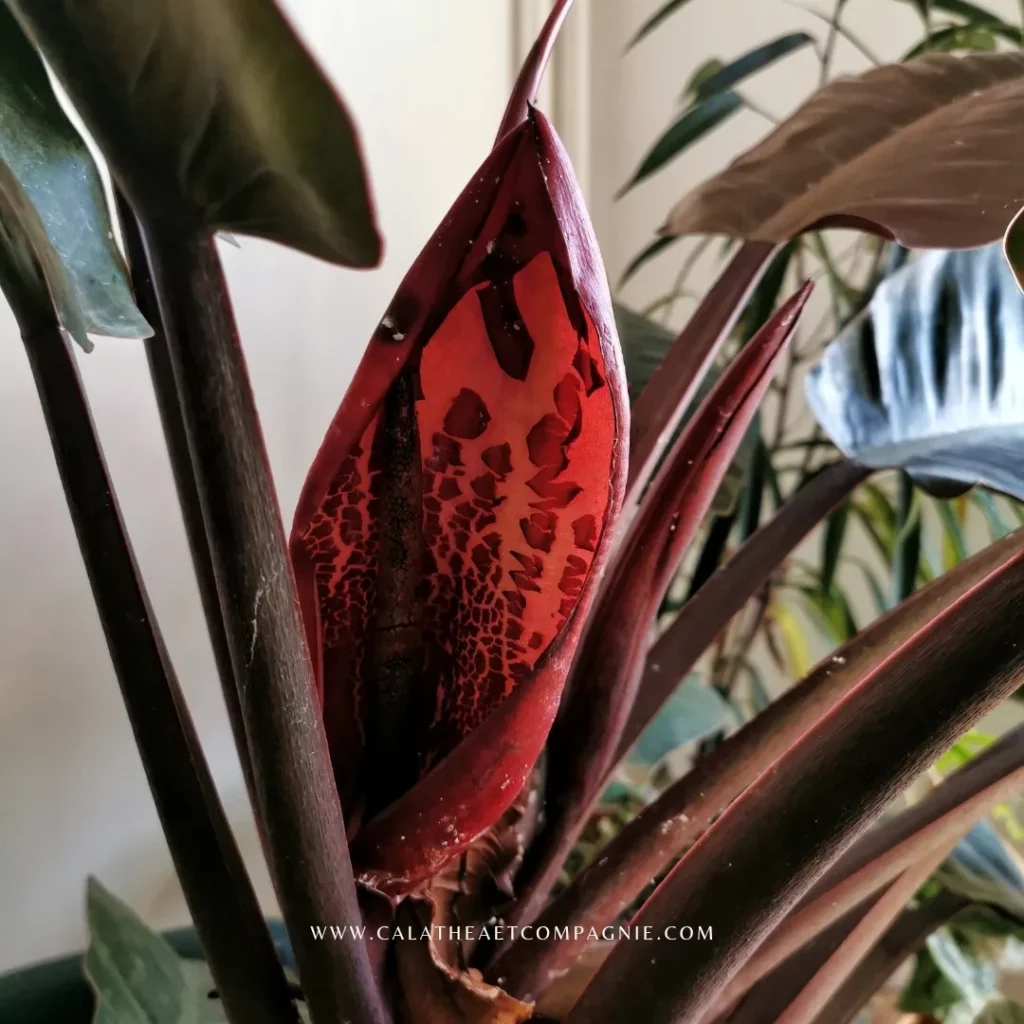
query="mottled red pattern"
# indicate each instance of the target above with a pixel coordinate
(516, 470)
(341, 544)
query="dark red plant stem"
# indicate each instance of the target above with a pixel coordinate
(159, 360)
(657, 412)
(527, 85)
(297, 799)
(985, 770)
(687, 808)
(828, 979)
(217, 889)
(940, 820)
(812, 804)
(777, 989)
(905, 937)
(604, 676)
(677, 650)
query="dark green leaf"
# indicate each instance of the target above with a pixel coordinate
(56, 991)
(662, 14)
(695, 123)
(881, 602)
(766, 295)
(975, 15)
(716, 539)
(704, 73)
(881, 544)
(760, 698)
(831, 614)
(976, 979)
(659, 245)
(56, 238)
(929, 990)
(832, 544)
(772, 479)
(881, 509)
(216, 112)
(907, 548)
(953, 535)
(644, 345)
(728, 75)
(753, 491)
(925, 378)
(976, 39)
(137, 976)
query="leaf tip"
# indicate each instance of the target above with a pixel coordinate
(1013, 247)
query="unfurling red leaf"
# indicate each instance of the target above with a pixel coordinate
(446, 541)
(56, 240)
(605, 676)
(927, 378)
(925, 152)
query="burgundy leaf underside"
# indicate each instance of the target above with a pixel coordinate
(814, 801)
(662, 830)
(604, 677)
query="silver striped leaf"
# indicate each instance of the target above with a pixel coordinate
(930, 376)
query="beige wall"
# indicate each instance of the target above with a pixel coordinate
(427, 83)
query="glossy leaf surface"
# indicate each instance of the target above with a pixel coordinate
(219, 110)
(56, 237)
(928, 377)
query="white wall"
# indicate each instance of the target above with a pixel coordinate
(635, 98)
(427, 83)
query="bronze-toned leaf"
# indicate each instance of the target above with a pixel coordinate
(215, 111)
(926, 152)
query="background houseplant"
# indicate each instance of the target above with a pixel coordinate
(829, 810)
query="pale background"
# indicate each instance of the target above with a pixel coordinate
(427, 82)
